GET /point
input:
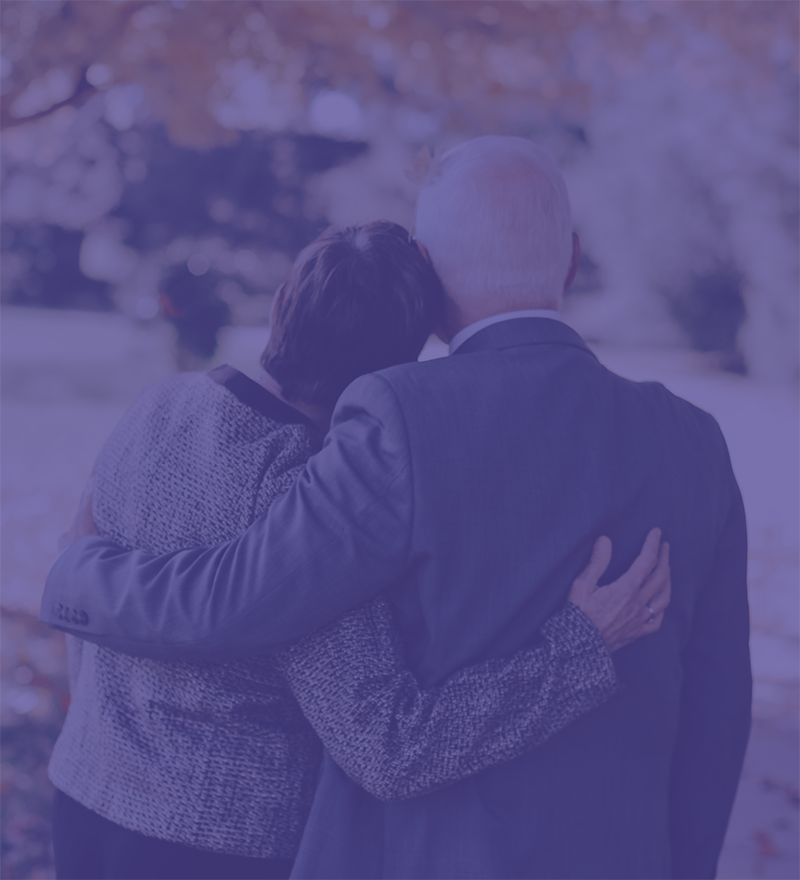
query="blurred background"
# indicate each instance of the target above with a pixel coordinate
(163, 163)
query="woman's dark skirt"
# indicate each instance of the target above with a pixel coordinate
(89, 847)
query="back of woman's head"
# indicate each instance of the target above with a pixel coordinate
(357, 300)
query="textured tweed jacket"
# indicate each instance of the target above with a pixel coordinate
(222, 756)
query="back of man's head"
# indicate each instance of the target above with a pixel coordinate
(494, 216)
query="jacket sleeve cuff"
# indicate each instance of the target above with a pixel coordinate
(572, 634)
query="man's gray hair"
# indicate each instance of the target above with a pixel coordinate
(494, 215)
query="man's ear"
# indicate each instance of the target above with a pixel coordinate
(573, 266)
(424, 251)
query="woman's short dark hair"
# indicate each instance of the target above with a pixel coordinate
(357, 300)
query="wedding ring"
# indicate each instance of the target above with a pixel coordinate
(652, 613)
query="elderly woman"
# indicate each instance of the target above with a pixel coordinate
(208, 770)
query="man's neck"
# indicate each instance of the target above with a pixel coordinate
(319, 415)
(471, 329)
(458, 318)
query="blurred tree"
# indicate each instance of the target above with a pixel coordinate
(613, 88)
(248, 192)
(477, 62)
(44, 261)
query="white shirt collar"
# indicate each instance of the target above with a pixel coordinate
(471, 329)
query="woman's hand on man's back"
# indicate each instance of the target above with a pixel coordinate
(631, 606)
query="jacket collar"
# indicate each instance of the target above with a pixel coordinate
(257, 397)
(522, 331)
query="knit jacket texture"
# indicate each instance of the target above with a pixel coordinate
(217, 756)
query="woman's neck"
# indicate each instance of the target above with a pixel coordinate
(319, 415)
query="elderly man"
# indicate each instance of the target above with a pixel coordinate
(498, 465)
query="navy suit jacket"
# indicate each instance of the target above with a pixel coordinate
(470, 491)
